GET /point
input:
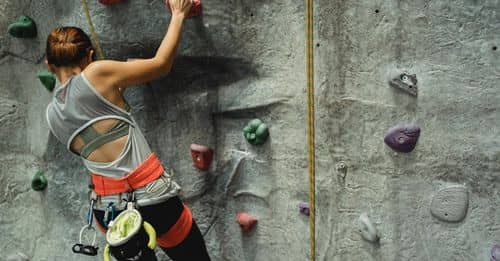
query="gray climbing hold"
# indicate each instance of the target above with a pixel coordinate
(341, 169)
(17, 257)
(367, 229)
(450, 204)
(495, 253)
(405, 82)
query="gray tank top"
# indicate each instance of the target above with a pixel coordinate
(77, 105)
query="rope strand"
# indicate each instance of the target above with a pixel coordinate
(93, 34)
(310, 121)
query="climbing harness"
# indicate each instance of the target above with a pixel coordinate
(129, 237)
(93, 34)
(310, 121)
(87, 249)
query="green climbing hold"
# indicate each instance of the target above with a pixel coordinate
(48, 79)
(23, 27)
(39, 181)
(256, 132)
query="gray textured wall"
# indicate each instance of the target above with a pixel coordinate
(245, 59)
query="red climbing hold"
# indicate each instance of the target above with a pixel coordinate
(110, 2)
(245, 221)
(202, 156)
(195, 9)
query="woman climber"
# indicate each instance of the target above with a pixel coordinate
(89, 114)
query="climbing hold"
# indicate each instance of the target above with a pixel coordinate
(195, 9)
(402, 138)
(48, 79)
(405, 82)
(256, 132)
(245, 221)
(341, 169)
(495, 253)
(202, 156)
(368, 231)
(110, 2)
(23, 27)
(304, 208)
(450, 204)
(39, 181)
(17, 257)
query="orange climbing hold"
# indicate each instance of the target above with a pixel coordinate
(245, 221)
(110, 2)
(202, 156)
(195, 9)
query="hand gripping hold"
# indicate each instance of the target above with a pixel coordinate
(195, 9)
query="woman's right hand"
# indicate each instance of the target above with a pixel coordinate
(180, 7)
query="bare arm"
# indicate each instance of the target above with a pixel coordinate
(108, 75)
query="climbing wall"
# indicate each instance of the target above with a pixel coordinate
(440, 201)
(239, 61)
(421, 75)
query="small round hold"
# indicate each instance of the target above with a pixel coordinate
(304, 208)
(246, 221)
(39, 181)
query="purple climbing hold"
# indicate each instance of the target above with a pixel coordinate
(304, 208)
(402, 138)
(495, 253)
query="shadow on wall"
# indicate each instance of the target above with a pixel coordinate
(206, 73)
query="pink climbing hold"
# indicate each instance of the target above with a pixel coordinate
(195, 9)
(110, 2)
(245, 221)
(202, 156)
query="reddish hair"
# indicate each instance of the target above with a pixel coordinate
(67, 46)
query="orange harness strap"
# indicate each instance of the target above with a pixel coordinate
(178, 232)
(149, 170)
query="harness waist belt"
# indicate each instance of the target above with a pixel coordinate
(149, 170)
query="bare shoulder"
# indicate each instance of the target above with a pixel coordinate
(99, 74)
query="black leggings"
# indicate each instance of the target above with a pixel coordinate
(162, 217)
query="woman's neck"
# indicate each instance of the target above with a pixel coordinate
(65, 73)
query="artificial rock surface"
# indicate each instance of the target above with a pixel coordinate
(245, 59)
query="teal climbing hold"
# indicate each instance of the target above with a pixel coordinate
(48, 79)
(23, 27)
(256, 132)
(39, 181)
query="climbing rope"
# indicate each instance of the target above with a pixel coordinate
(310, 123)
(93, 34)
